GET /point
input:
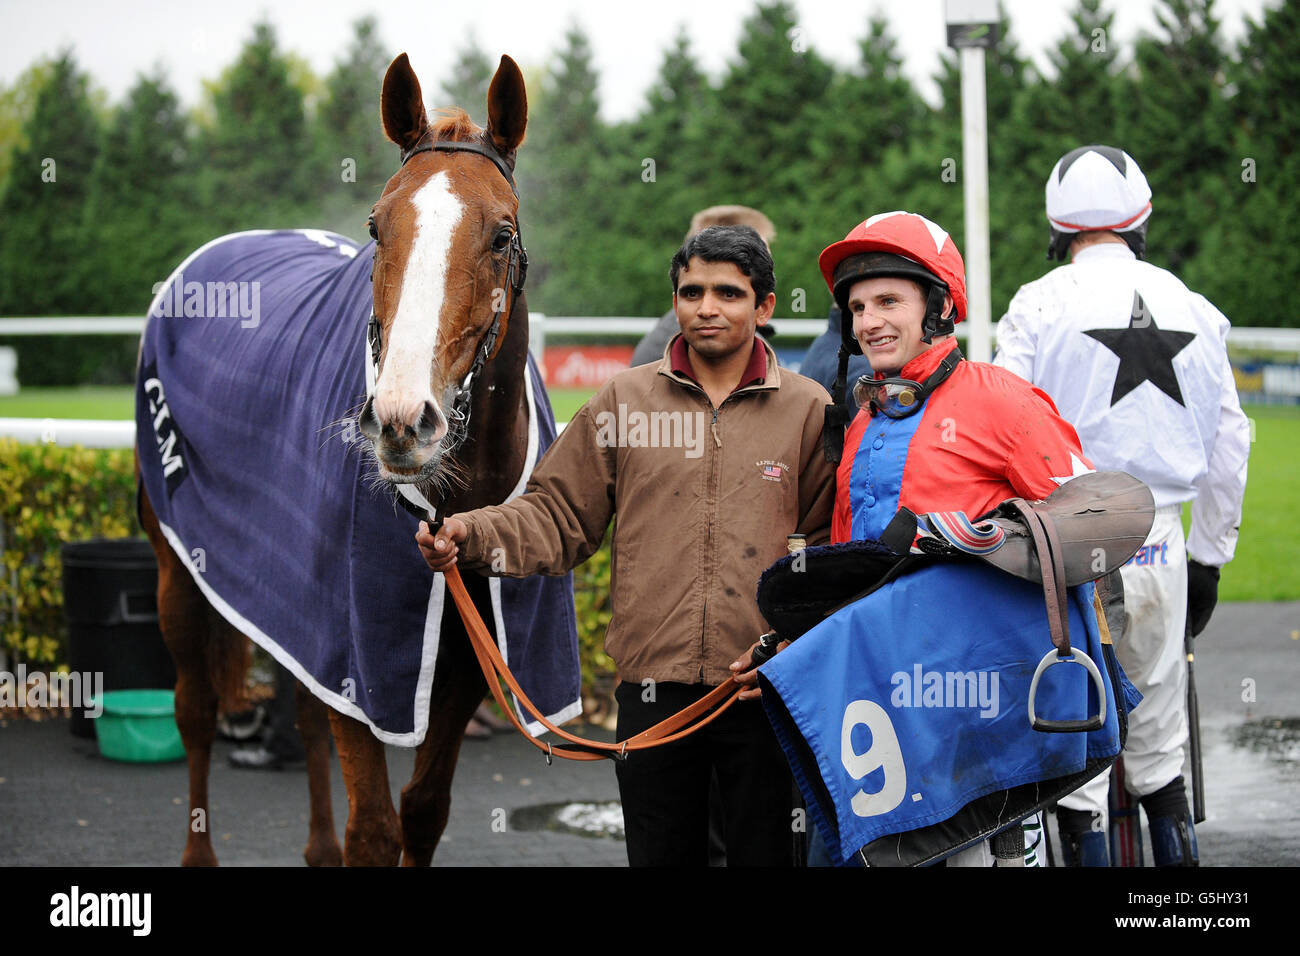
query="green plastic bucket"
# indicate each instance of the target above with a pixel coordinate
(139, 726)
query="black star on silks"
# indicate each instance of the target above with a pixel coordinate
(1146, 354)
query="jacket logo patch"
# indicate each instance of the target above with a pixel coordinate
(772, 470)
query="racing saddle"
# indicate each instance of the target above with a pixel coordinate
(1085, 531)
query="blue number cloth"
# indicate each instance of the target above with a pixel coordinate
(901, 708)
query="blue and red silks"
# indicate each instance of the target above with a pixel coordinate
(251, 375)
(901, 708)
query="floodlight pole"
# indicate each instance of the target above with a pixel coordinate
(972, 26)
(975, 189)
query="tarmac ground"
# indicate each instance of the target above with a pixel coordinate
(62, 804)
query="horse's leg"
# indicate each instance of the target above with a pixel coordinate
(458, 689)
(372, 837)
(313, 723)
(426, 799)
(186, 621)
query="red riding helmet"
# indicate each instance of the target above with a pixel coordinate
(897, 244)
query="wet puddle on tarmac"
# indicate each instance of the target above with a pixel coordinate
(1252, 781)
(1278, 738)
(1251, 795)
(603, 820)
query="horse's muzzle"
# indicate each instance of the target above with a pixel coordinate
(404, 450)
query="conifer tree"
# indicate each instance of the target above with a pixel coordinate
(762, 120)
(45, 250)
(1082, 99)
(355, 158)
(258, 167)
(864, 125)
(469, 80)
(1247, 262)
(657, 159)
(563, 181)
(770, 87)
(140, 210)
(17, 102)
(1179, 129)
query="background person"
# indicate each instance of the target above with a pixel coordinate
(821, 362)
(652, 344)
(1139, 363)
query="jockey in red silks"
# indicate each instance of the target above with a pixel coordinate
(934, 432)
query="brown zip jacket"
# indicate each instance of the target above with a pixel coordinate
(701, 498)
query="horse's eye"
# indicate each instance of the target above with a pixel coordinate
(502, 240)
(374, 233)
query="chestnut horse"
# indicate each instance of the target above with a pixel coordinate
(449, 338)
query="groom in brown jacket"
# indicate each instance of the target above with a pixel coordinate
(705, 462)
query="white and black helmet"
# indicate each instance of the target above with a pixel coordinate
(1097, 188)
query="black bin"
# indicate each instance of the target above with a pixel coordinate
(110, 600)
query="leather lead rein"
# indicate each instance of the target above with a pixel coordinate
(578, 748)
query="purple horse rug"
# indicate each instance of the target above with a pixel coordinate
(252, 369)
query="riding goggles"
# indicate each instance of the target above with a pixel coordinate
(901, 397)
(893, 397)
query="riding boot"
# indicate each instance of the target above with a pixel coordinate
(1081, 845)
(1173, 838)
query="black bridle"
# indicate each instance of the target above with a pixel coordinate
(516, 273)
(483, 149)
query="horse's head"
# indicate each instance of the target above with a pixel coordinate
(448, 266)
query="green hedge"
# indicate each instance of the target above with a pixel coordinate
(51, 495)
(591, 598)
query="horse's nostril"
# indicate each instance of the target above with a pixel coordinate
(430, 426)
(368, 422)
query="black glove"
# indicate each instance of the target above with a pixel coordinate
(1202, 594)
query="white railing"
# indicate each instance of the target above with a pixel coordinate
(540, 325)
(88, 433)
(73, 325)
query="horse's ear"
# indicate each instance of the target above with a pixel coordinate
(507, 107)
(402, 104)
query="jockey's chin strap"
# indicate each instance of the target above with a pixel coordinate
(457, 397)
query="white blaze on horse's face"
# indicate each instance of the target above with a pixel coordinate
(446, 230)
(403, 396)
